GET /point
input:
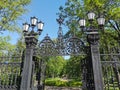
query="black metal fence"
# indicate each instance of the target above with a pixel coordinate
(110, 60)
(10, 71)
(111, 75)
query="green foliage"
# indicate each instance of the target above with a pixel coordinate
(54, 66)
(5, 44)
(58, 67)
(73, 67)
(109, 37)
(9, 79)
(10, 11)
(20, 45)
(62, 83)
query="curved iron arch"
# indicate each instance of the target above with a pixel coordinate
(47, 47)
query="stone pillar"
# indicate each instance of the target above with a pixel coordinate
(93, 40)
(27, 67)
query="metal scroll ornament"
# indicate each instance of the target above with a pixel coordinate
(74, 46)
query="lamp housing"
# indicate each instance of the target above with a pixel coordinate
(82, 23)
(33, 21)
(91, 16)
(26, 27)
(40, 25)
(101, 21)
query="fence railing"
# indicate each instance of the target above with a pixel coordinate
(110, 61)
(10, 71)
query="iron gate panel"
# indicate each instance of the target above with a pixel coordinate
(111, 75)
(110, 61)
(10, 71)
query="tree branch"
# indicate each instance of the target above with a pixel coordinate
(113, 26)
(117, 25)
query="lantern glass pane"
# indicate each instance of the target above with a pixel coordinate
(82, 22)
(40, 25)
(25, 27)
(101, 21)
(91, 16)
(33, 21)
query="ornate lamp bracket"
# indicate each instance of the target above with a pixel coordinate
(93, 38)
(30, 41)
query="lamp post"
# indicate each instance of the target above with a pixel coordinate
(31, 42)
(94, 74)
(30, 35)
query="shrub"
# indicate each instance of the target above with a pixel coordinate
(62, 83)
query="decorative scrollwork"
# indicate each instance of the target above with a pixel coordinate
(74, 46)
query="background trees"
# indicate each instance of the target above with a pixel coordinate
(73, 67)
(77, 9)
(5, 44)
(10, 11)
(55, 67)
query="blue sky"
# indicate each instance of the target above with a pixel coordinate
(44, 10)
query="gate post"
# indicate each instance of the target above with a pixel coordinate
(93, 40)
(26, 82)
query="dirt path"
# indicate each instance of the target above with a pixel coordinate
(61, 88)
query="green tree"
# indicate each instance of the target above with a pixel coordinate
(74, 10)
(10, 11)
(73, 67)
(55, 66)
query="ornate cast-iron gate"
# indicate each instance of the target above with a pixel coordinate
(109, 61)
(100, 69)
